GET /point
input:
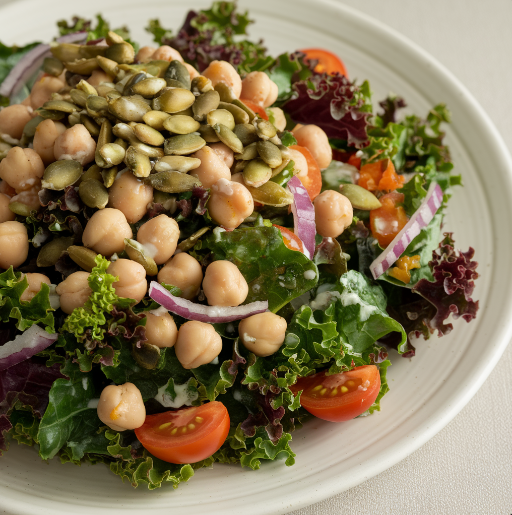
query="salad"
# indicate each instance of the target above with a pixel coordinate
(203, 246)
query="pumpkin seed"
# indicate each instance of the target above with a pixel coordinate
(248, 110)
(83, 257)
(167, 200)
(112, 95)
(149, 87)
(172, 182)
(175, 99)
(121, 143)
(183, 144)
(90, 125)
(19, 208)
(67, 52)
(94, 172)
(113, 38)
(271, 194)
(108, 65)
(257, 173)
(229, 138)
(178, 72)
(133, 81)
(222, 116)
(185, 112)
(282, 166)
(93, 193)
(136, 252)
(148, 135)
(61, 174)
(112, 154)
(270, 153)
(104, 138)
(142, 148)
(60, 105)
(30, 127)
(226, 92)
(124, 131)
(285, 152)
(96, 106)
(155, 119)
(359, 197)
(205, 103)
(52, 251)
(109, 176)
(201, 84)
(52, 66)
(264, 128)
(79, 97)
(239, 115)
(177, 163)
(192, 240)
(84, 86)
(208, 134)
(249, 152)
(105, 88)
(129, 109)
(138, 163)
(246, 133)
(181, 124)
(146, 356)
(239, 166)
(82, 66)
(50, 115)
(121, 53)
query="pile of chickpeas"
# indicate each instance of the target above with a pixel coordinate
(127, 131)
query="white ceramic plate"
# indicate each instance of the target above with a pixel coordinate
(426, 392)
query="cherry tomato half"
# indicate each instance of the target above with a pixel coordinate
(290, 239)
(256, 108)
(339, 397)
(187, 435)
(327, 61)
(387, 221)
(313, 180)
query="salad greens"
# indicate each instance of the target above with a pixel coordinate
(338, 316)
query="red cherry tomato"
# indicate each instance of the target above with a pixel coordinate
(387, 221)
(185, 436)
(290, 239)
(313, 180)
(327, 61)
(256, 108)
(339, 397)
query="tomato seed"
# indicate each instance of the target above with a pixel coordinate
(191, 426)
(199, 419)
(350, 383)
(323, 391)
(174, 431)
(167, 424)
(316, 388)
(334, 392)
(183, 429)
(344, 389)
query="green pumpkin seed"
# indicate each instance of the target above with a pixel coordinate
(108, 65)
(177, 163)
(239, 115)
(222, 116)
(30, 127)
(142, 148)
(185, 112)
(61, 174)
(50, 115)
(264, 129)
(178, 72)
(121, 53)
(133, 81)
(104, 138)
(229, 138)
(239, 166)
(282, 166)
(82, 66)
(19, 208)
(271, 194)
(136, 252)
(109, 176)
(52, 66)
(201, 84)
(192, 240)
(181, 124)
(359, 197)
(129, 109)
(73, 119)
(78, 97)
(96, 106)
(149, 87)
(148, 135)
(113, 38)
(226, 92)
(167, 200)
(105, 89)
(208, 134)
(146, 356)
(257, 173)
(112, 154)
(270, 153)
(83, 257)
(246, 133)
(60, 105)
(155, 119)
(205, 103)
(121, 143)
(248, 110)
(90, 125)
(52, 251)
(250, 152)
(112, 95)
(94, 172)
(138, 163)
(175, 99)
(67, 52)
(183, 144)
(124, 131)
(172, 182)
(93, 193)
(84, 86)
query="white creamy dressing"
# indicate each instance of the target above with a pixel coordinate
(54, 297)
(309, 275)
(93, 403)
(217, 232)
(248, 338)
(38, 239)
(183, 396)
(159, 311)
(224, 186)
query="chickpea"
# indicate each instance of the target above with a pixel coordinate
(279, 118)
(222, 71)
(191, 70)
(333, 213)
(21, 168)
(75, 143)
(13, 119)
(145, 54)
(99, 76)
(301, 163)
(197, 344)
(74, 291)
(6, 189)
(106, 230)
(6, 215)
(263, 333)
(121, 407)
(43, 89)
(160, 237)
(230, 203)
(132, 282)
(35, 282)
(224, 152)
(212, 167)
(131, 196)
(183, 271)
(13, 244)
(224, 285)
(44, 139)
(259, 88)
(316, 141)
(161, 329)
(166, 53)
(29, 197)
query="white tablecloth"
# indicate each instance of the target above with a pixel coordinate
(467, 467)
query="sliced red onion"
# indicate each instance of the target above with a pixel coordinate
(303, 216)
(24, 346)
(31, 62)
(210, 314)
(420, 219)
